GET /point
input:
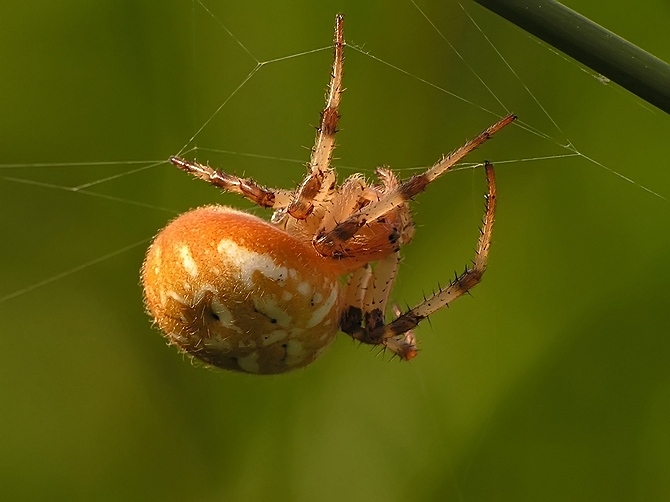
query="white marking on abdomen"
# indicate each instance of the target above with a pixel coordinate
(275, 336)
(249, 363)
(294, 352)
(268, 307)
(176, 296)
(187, 260)
(304, 288)
(323, 310)
(225, 315)
(248, 262)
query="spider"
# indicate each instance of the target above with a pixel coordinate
(245, 294)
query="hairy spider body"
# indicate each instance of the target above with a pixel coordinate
(241, 294)
(245, 294)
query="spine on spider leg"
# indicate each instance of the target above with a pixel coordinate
(320, 176)
(461, 284)
(484, 241)
(456, 156)
(247, 188)
(470, 277)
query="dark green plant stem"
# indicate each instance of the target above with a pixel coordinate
(592, 45)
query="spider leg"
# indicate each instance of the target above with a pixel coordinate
(368, 293)
(367, 298)
(355, 292)
(259, 195)
(396, 335)
(332, 243)
(321, 177)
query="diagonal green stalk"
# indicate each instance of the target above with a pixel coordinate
(592, 45)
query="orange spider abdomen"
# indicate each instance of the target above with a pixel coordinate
(236, 292)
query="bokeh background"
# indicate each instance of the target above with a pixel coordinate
(552, 382)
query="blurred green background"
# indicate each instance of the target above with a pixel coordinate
(551, 383)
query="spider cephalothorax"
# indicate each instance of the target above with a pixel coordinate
(245, 294)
